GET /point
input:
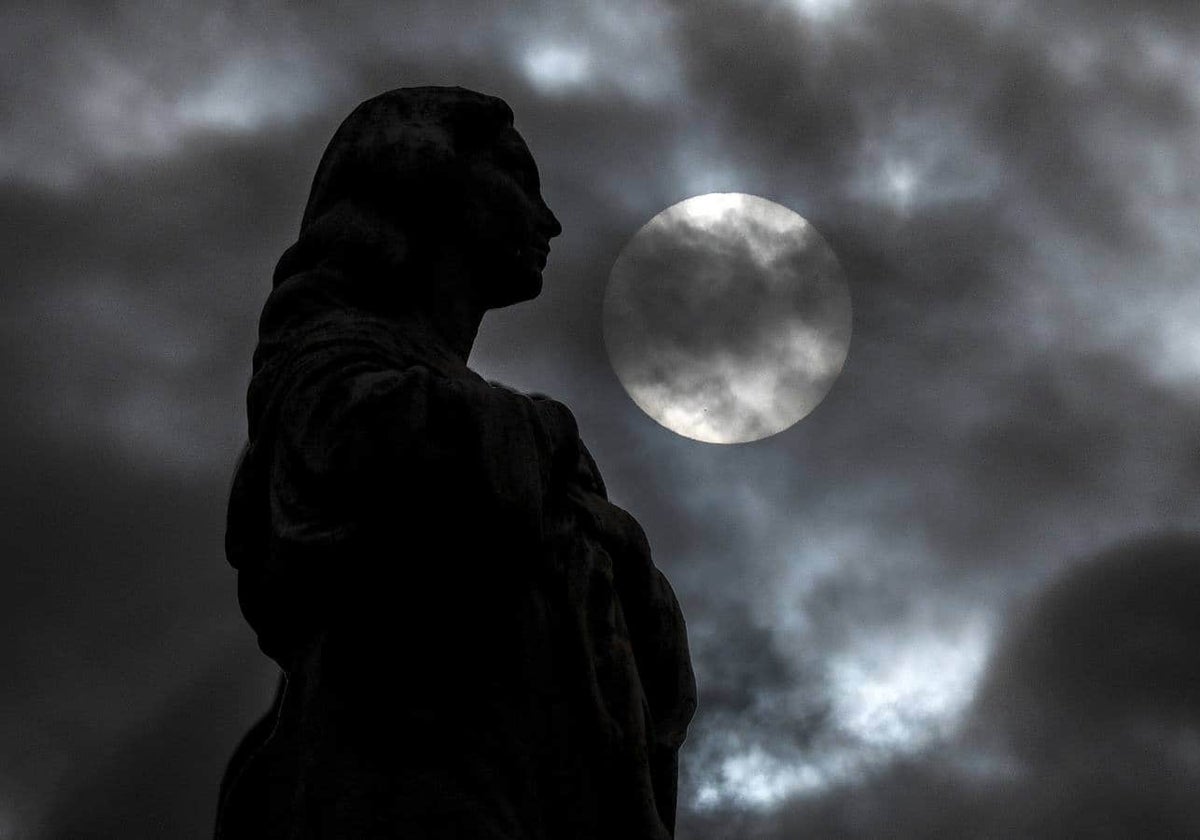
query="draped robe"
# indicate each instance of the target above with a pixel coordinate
(475, 642)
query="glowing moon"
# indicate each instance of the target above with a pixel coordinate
(727, 318)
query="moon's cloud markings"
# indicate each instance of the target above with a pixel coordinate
(727, 318)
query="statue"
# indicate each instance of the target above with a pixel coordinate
(474, 642)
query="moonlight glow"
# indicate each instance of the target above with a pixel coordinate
(727, 318)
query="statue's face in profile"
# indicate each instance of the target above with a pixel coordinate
(508, 226)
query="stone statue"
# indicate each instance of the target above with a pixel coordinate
(474, 641)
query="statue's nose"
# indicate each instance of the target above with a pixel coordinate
(549, 223)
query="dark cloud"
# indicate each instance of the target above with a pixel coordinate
(114, 598)
(1086, 724)
(1106, 651)
(159, 781)
(1011, 191)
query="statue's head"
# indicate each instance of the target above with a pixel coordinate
(444, 170)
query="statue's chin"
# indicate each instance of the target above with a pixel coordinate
(517, 287)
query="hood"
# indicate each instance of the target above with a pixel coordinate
(381, 184)
(378, 186)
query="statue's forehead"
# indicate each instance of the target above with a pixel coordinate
(511, 149)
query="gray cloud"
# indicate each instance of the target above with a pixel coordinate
(1087, 723)
(1010, 189)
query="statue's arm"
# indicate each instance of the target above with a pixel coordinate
(657, 632)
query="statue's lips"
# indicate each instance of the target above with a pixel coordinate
(542, 250)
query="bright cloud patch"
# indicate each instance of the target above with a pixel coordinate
(557, 67)
(902, 694)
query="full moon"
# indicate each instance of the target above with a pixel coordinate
(727, 318)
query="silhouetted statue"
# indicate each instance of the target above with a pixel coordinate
(475, 642)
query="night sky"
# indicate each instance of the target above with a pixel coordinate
(957, 600)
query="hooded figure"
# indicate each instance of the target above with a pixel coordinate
(474, 641)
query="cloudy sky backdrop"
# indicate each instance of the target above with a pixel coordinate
(930, 609)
